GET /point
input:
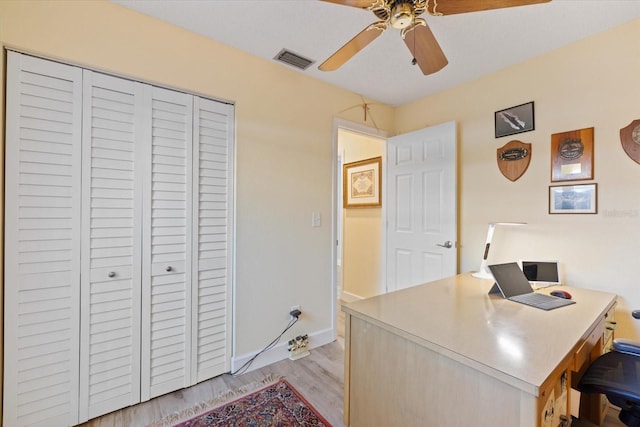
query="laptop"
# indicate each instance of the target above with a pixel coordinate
(541, 273)
(514, 286)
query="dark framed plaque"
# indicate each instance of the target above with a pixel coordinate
(572, 155)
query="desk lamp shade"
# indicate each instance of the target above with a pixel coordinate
(483, 272)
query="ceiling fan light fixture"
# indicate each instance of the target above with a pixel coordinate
(404, 15)
(401, 16)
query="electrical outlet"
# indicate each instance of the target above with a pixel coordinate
(295, 312)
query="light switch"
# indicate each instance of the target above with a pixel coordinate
(315, 219)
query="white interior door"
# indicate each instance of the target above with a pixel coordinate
(115, 195)
(421, 206)
(42, 242)
(166, 305)
(111, 244)
(212, 238)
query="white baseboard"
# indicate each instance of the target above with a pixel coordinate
(280, 352)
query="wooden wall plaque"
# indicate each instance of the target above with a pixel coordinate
(630, 139)
(513, 159)
(572, 155)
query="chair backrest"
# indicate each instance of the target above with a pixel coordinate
(615, 374)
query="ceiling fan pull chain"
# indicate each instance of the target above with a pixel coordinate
(414, 61)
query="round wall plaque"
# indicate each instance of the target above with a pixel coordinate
(630, 138)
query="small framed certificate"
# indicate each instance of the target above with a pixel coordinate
(573, 199)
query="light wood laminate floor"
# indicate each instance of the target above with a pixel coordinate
(319, 377)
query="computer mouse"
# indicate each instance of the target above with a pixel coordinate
(561, 294)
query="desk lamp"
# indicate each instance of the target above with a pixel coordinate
(484, 273)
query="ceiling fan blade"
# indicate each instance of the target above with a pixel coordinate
(362, 4)
(353, 46)
(425, 49)
(452, 7)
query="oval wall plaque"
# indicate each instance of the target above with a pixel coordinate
(513, 159)
(571, 149)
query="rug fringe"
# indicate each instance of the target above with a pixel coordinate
(222, 398)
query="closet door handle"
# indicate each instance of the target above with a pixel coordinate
(169, 268)
(112, 274)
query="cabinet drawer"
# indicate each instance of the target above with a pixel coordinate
(583, 353)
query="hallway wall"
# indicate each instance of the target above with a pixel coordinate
(362, 258)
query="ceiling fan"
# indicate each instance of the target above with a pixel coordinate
(403, 15)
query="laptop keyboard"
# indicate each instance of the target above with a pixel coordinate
(543, 301)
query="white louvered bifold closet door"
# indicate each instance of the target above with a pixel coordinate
(42, 242)
(212, 246)
(166, 308)
(113, 131)
(118, 242)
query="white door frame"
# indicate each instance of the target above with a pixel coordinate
(335, 203)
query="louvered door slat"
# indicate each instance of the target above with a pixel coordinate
(111, 268)
(167, 280)
(42, 245)
(212, 246)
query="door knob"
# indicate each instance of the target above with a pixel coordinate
(169, 268)
(447, 244)
(112, 274)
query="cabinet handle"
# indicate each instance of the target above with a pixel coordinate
(169, 268)
(112, 274)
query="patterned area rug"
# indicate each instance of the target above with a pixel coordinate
(278, 404)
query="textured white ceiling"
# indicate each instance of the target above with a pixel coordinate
(475, 44)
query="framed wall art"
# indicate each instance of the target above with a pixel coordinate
(573, 199)
(362, 183)
(514, 120)
(572, 155)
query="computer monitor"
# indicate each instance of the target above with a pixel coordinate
(541, 273)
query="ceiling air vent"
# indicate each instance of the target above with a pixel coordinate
(293, 59)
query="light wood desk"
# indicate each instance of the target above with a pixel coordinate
(447, 354)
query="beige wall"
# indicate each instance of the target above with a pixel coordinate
(362, 227)
(284, 133)
(284, 137)
(592, 83)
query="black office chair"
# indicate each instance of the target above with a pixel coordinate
(617, 375)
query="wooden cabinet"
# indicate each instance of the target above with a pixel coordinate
(553, 403)
(118, 242)
(599, 340)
